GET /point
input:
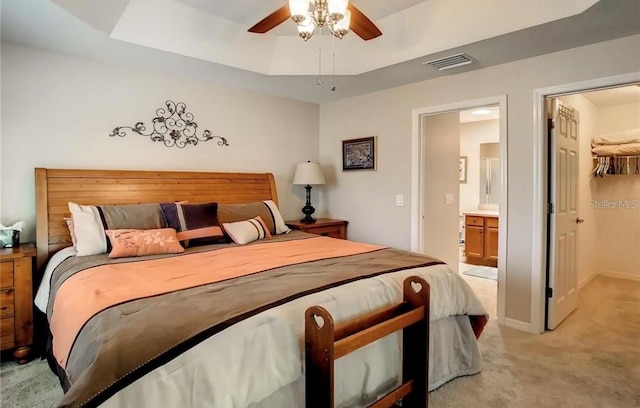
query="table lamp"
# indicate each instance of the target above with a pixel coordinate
(308, 174)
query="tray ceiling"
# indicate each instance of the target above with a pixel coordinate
(207, 40)
(216, 31)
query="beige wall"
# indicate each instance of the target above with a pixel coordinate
(617, 118)
(58, 111)
(472, 134)
(441, 146)
(587, 186)
(618, 224)
(367, 199)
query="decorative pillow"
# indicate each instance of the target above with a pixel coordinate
(267, 210)
(133, 242)
(69, 222)
(90, 223)
(250, 230)
(196, 224)
(87, 226)
(281, 227)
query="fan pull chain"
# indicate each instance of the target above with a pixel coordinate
(319, 81)
(333, 74)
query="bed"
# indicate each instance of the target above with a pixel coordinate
(222, 325)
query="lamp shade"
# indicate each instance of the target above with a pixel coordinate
(338, 7)
(298, 8)
(308, 173)
(341, 28)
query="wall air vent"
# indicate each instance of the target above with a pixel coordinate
(451, 61)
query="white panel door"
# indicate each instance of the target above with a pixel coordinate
(563, 276)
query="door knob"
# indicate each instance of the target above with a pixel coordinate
(579, 220)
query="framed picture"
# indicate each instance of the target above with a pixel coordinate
(462, 169)
(359, 154)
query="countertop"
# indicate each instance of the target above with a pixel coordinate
(482, 213)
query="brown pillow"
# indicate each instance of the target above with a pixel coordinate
(196, 224)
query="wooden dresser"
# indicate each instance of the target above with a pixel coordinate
(16, 317)
(481, 239)
(323, 226)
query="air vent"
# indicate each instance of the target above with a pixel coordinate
(452, 61)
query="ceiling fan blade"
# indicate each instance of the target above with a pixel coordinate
(272, 20)
(362, 26)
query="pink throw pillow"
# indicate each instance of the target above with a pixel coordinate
(132, 242)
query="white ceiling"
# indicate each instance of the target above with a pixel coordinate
(208, 39)
(615, 96)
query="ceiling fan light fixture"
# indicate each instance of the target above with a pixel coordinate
(341, 28)
(328, 13)
(306, 27)
(299, 10)
(337, 9)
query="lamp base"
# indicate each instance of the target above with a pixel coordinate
(308, 220)
(307, 210)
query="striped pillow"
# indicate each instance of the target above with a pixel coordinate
(267, 210)
(196, 224)
(250, 230)
(91, 221)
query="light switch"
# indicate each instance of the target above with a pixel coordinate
(448, 198)
(399, 200)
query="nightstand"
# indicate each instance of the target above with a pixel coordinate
(16, 318)
(323, 226)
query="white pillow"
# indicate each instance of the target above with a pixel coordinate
(243, 232)
(87, 225)
(281, 227)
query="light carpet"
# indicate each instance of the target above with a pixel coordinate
(592, 360)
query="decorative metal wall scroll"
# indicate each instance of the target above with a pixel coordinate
(173, 126)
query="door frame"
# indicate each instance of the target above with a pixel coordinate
(541, 179)
(417, 183)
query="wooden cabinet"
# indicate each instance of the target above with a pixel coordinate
(491, 239)
(323, 226)
(16, 313)
(474, 241)
(481, 240)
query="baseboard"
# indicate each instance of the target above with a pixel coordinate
(586, 280)
(620, 275)
(520, 325)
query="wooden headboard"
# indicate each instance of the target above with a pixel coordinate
(56, 187)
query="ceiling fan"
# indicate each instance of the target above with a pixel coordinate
(338, 15)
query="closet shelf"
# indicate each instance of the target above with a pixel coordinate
(619, 156)
(616, 165)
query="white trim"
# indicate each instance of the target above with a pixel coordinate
(539, 246)
(417, 211)
(619, 275)
(519, 325)
(416, 180)
(504, 210)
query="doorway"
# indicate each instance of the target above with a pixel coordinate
(436, 181)
(558, 273)
(479, 204)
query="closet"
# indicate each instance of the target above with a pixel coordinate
(609, 182)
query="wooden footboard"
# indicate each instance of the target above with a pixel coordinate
(326, 343)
